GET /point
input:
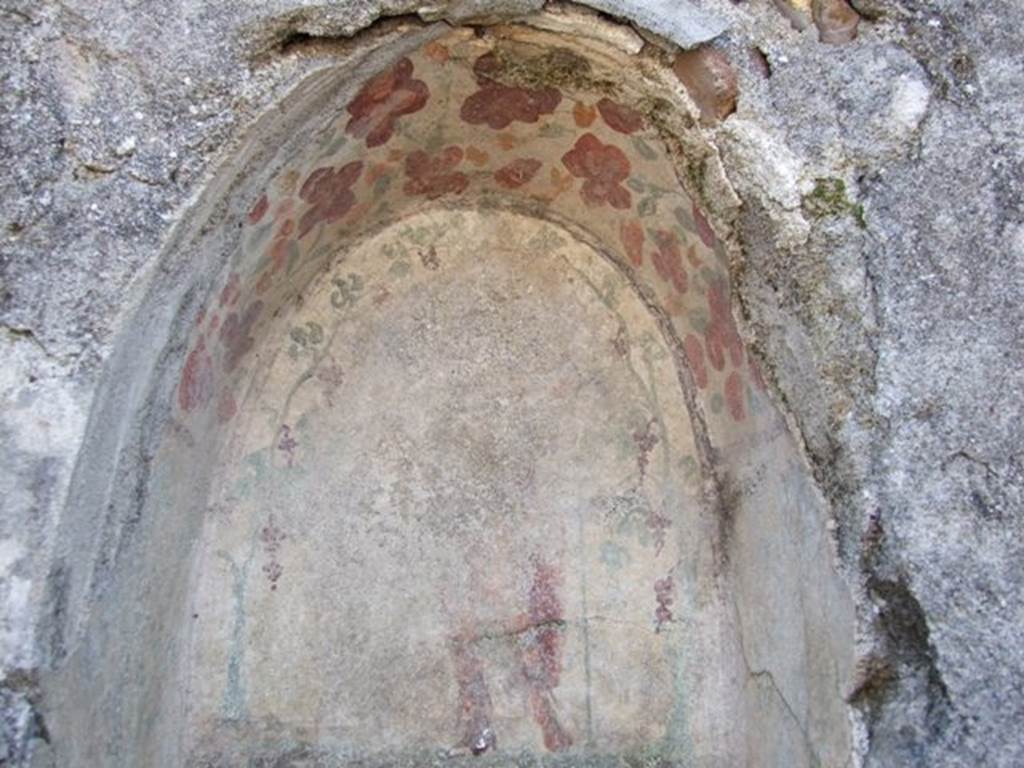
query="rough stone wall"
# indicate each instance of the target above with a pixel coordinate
(878, 271)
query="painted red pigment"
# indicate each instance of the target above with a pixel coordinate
(385, 98)
(755, 373)
(231, 291)
(707, 234)
(476, 711)
(734, 396)
(498, 105)
(695, 356)
(196, 386)
(279, 254)
(435, 175)
(517, 173)
(331, 377)
(663, 596)
(329, 193)
(645, 440)
(657, 524)
(257, 211)
(620, 117)
(265, 281)
(541, 653)
(226, 406)
(721, 335)
(603, 167)
(668, 260)
(631, 232)
(583, 114)
(236, 334)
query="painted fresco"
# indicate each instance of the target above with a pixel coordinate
(464, 122)
(421, 522)
(455, 371)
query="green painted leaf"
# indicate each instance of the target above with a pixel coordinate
(552, 131)
(637, 185)
(258, 236)
(316, 332)
(613, 556)
(699, 320)
(400, 268)
(610, 291)
(382, 184)
(545, 241)
(689, 467)
(434, 143)
(685, 219)
(347, 291)
(327, 138)
(335, 145)
(420, 235)
(293, 256)
(647, 207)
(320, 252)
(644, 149)
(261, 263)
(716, 403)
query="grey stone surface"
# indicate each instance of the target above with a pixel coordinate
(886, 308)
(684, 23)
(912, 306)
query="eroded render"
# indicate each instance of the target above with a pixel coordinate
(466, 460)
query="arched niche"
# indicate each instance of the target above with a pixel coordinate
(454, 452)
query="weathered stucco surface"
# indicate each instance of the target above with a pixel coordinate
(440, 509)
(869, 197)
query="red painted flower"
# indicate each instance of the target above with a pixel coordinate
(265, 281)
(329, 192)
(257, 211)
(517, 173)
(498, 105)
(232, 290)
(631, 232)
(435, 176)
(721, 335)
(278, 254)
(619, 117)
(734, 396)
(695, 356)
(603, 167)
(707, 234)
(226, 406)
(384, 99)
(235, 334)
(196, 385)
(668, 261)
